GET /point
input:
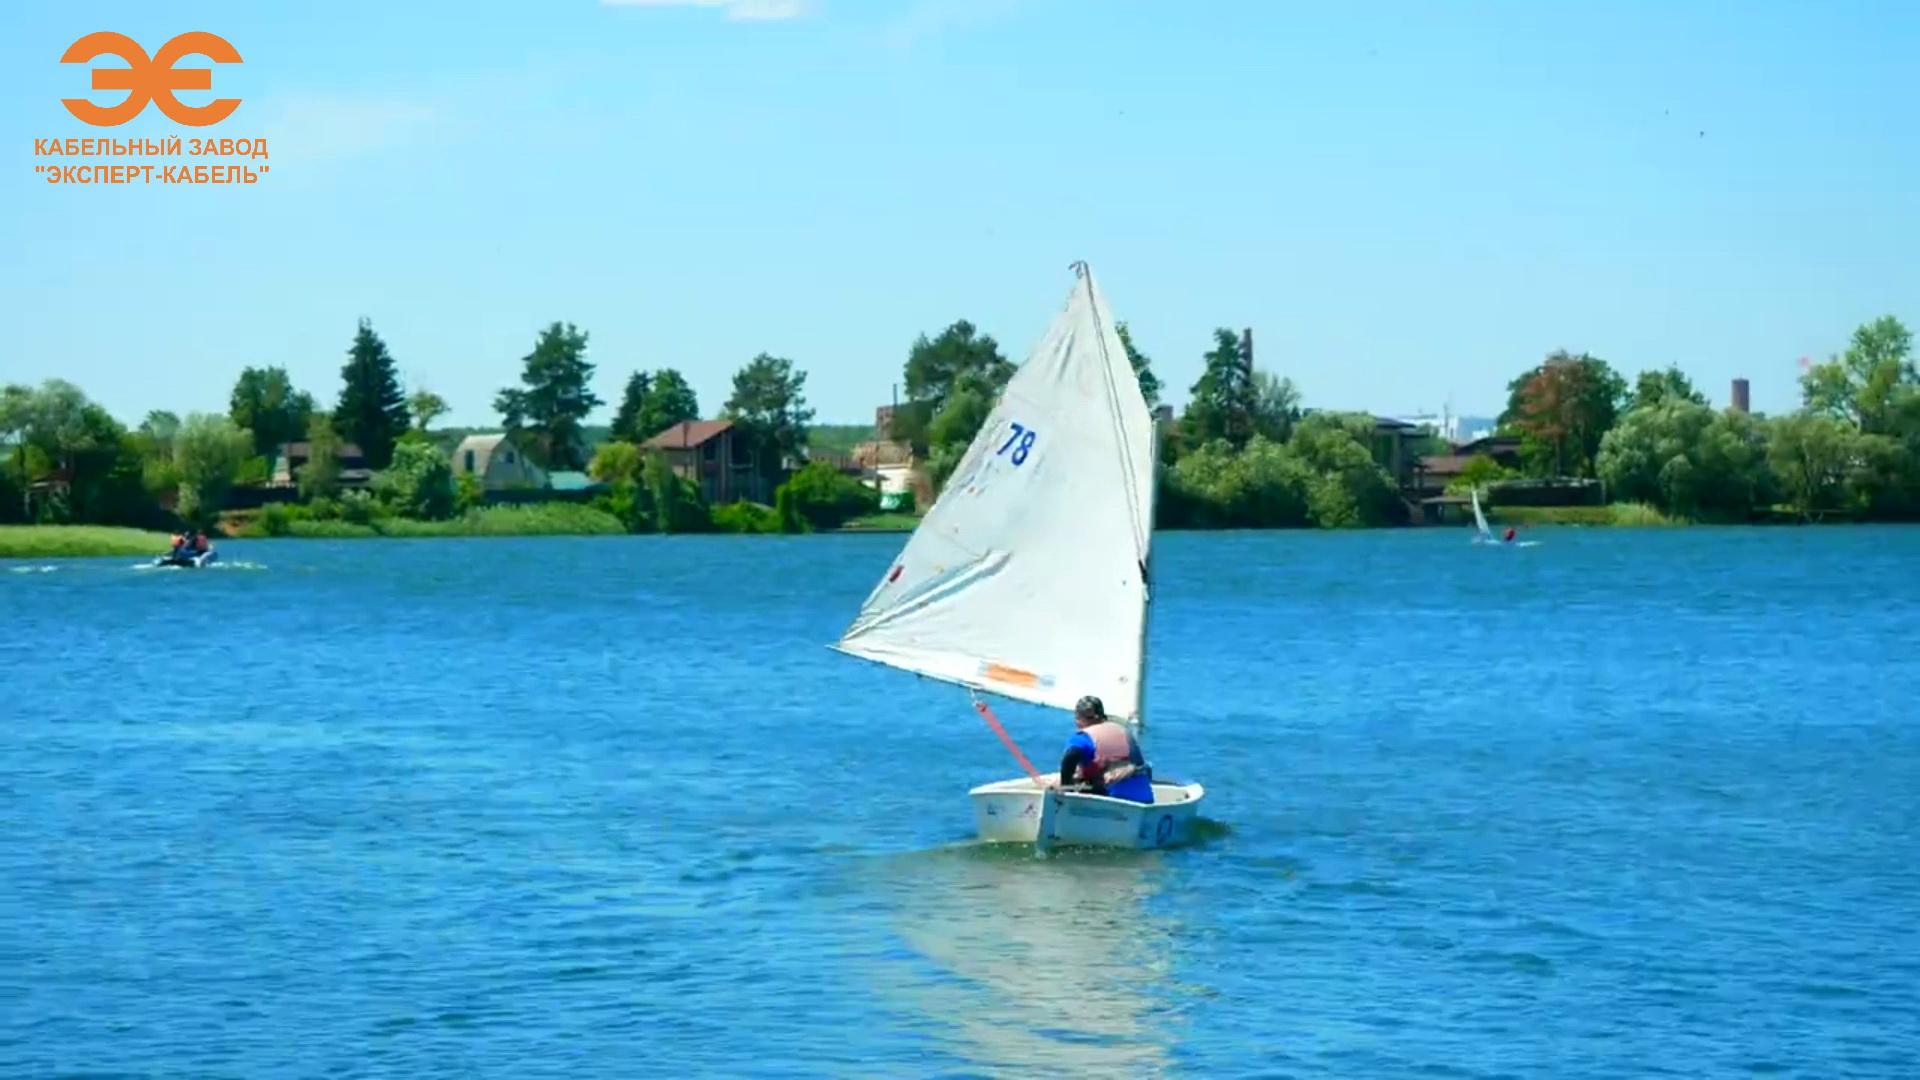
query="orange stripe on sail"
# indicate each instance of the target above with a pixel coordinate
(1001, 673)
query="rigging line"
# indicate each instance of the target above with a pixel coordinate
(994, 723)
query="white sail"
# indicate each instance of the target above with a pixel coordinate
(1480, 519)
(1027, 576)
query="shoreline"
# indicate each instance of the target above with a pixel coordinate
(104, 541)
(80, 541)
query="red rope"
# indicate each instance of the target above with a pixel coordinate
(994, 723)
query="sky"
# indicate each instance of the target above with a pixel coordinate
(1409, 203)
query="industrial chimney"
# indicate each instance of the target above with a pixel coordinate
(1739, 395)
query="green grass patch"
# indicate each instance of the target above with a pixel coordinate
(882, 523)
(1628, 514)
(534, 519)
(72, 541)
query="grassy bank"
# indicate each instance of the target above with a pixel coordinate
(1614, 514)
(536, 519)
(69, 541)
(882, 523)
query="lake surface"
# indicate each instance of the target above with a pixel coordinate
(1629, 803)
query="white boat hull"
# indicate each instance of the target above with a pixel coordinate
(1011, 811)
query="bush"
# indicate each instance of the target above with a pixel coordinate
(746, 517)
(274, 519)
(1324, 476)
(468, 494)
(826, 498)
(419, 483)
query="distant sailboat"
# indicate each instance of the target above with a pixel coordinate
(1484, 535)
(1028, 577)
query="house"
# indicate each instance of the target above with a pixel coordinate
(497, 463)
(890, 465)
(294, 456)
(715, 455)
(1395, 447)
(1433, 472)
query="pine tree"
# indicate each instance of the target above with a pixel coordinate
(554, 399)
(372, 412)
(626, 422)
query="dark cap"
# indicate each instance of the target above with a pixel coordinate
(1090, 706)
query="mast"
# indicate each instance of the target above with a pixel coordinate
(1139, 722)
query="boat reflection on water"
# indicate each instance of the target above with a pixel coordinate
(1023, 964)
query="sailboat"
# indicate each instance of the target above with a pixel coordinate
(1029, 576)
(1485, 535)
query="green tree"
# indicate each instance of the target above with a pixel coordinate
(1813, 456)
(1480, 472)
(1276, 406)
(208, 452)
(265, 403)
(1348, 487)
(787, 511)
(1142, 367)
(1866, 385)
(952, 382)
(319, 478)
(1212, 486)
(769, 406)
(154, 440)
(1653, 387)
(675, 500)
(552, 403)
(161, 426)
(633, 403)
(58, 432)
(1224, 400)
(616, 461)
(372, 411)
(669, 400)
(426, 407)
(1687, 459)
(419, 483)
(1562, 408)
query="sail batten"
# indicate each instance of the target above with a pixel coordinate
(1027, 577)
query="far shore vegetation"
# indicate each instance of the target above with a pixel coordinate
(1578, 444)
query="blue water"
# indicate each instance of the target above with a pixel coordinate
(1629, 803)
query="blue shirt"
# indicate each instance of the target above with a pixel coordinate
(1135, 788)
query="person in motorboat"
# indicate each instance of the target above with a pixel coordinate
(179, 549)
(1507, 537)
(1102, 757)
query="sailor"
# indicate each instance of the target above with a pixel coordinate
(1102, 757)
(1508, 538)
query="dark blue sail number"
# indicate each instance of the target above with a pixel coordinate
(1020, 442)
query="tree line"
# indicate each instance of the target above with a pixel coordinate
(71, 462)
(1850, 450)
(1245, 454)
(1242, 453)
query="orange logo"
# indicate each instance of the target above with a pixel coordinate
(151, 79)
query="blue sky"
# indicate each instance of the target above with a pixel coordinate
(1408, 202)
